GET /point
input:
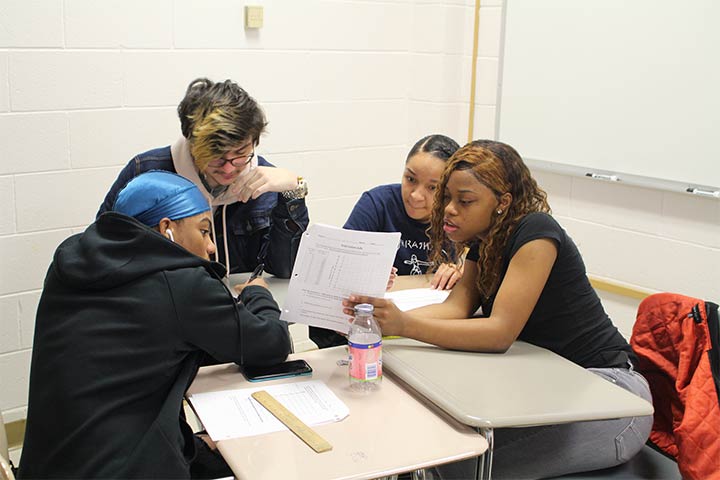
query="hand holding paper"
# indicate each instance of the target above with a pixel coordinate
(332, 264)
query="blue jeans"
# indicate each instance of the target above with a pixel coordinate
(553, 450)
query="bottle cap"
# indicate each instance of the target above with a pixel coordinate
(364, 308)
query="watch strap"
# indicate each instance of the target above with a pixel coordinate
(298, 192)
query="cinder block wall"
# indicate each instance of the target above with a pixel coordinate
(347, 87)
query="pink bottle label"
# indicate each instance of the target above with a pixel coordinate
(365, 361)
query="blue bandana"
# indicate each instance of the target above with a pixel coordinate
(157, 194)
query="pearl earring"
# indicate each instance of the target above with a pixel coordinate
(499, 212)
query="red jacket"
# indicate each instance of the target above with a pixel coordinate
(676, 341)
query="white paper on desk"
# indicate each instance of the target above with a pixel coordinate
(234, 413)
(417, 297)
(333, 263)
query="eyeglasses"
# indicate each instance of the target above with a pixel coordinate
(240, 161)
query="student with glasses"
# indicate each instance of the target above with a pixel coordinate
(259, 211)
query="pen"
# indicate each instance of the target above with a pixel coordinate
(257, 272)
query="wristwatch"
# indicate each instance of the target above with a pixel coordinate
(298, 192)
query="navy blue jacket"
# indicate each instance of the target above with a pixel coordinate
(381, 209)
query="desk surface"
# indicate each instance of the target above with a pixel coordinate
(404, 282)
(525, 386)
(387, 432)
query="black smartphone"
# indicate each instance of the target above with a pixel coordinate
(293, 368)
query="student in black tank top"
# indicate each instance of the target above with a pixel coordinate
(529, 278)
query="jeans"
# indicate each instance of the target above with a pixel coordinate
(554, 450)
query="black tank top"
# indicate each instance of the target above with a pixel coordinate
(568, 318)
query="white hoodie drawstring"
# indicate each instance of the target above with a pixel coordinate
(225, 243)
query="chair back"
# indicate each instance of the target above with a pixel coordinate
(676, 339)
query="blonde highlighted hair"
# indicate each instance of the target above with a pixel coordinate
(218, 117)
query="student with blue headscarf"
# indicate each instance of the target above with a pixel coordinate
(130, 309)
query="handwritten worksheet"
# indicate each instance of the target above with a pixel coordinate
(333, 263)
(234, 413)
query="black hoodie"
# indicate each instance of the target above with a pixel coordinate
(125, 320)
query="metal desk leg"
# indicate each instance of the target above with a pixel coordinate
(483, 467)
(419, 475)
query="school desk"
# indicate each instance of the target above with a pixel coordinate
(387, 432)
(525, 386)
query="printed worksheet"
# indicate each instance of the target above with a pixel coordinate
(333, 263)
(234, 413)
(417, 297)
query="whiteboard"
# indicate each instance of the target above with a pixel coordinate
(625, 88)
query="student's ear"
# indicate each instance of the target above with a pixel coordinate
(164, 226)
(505, 201)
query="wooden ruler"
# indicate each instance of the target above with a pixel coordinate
(306, 434)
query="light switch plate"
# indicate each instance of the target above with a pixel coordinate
(254, 16)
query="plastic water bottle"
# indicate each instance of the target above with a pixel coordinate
(365, 346)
